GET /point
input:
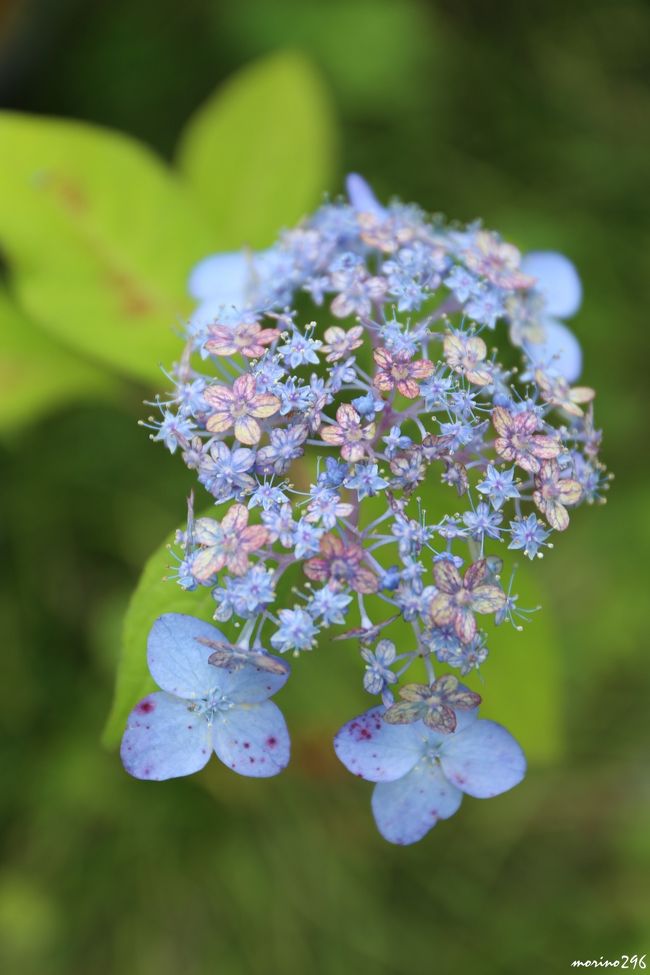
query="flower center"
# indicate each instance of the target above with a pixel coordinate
(208, 707)
(400, 372)
(239, 408)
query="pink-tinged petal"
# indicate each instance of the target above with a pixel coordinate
(476, 349)
(526, 423)
(365, 581)
(244, 387)
(334, 334)
(235, 519)
(253, 537)
(177, 659)
(404, 712)
(207, 563)
(383, 358)
(354, 553)
(488, 599)
(353, 451)
(465, 625)
(164, 739)
(317, 569)
(570, 407)
(252, 739)
(341, 306)
(408, 388)
(207, 531)
(441, 609)
(217, 347)
(544, 446)
(413, 692)
(333, 435)
(484, 760)
(405, 810)
(383, 382)
(475, 574)
(264, 405)
(355, 335)
(421, 369)
(252, 351)
(221, 342)
(331, 546)
(453, 348)
(555, 513)
(247, 430)
(347, 416)
(569, 491)
(377, 751)
(549, 470)
(221, 397)
(237, 562)
(447, 577)
(480, 377)
(505, 449)
(527, 462)
(502, 421)
(267, 335)
(441, 718)
(219, 423)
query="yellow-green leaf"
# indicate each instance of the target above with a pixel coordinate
(259, 154)
(36, 373)
(100, 238)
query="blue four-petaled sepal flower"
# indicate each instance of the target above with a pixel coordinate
(202, 708)
(421, 774)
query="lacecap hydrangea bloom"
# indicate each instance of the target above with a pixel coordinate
(332, 390)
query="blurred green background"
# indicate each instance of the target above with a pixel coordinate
(534, 117)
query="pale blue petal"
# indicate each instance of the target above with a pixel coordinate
(164, 739)
(361, 196)
(484, 760)
(178, 661)
(560, 351)
(251, 684)
(557, 280)
(252, 740)
(464, 719)
(221, 278)
(377, 751)
(207, 313)
(407, 809)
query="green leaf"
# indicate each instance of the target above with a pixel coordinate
(522, 680)
(100, 237)
(153, 596)
(36, 373)
(259, 153)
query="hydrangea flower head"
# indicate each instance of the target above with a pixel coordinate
(368, 462)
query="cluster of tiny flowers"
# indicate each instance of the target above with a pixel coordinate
(328, 386)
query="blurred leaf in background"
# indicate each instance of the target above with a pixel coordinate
(260, 154)
(99, 238)
(38, 375)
